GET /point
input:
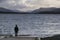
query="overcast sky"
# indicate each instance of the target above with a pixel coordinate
(28, 5)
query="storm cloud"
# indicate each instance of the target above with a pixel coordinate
(2, 1)
(28, 5)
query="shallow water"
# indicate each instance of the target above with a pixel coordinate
(32, 24)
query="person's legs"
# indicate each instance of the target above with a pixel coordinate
(16, 33)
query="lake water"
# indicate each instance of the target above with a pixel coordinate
(34, 24)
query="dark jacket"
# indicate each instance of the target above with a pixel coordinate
(16, 29)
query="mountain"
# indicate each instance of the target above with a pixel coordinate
(47, 10)
(4, 10)
(37, 11)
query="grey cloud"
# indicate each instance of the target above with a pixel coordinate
(21, 6)
(26, 5)
(34, 2)
(2, 1)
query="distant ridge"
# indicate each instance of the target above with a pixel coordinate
(5, 10)
(8, 11)
(37, 11)
(51, 10)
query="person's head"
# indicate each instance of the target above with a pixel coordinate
(16, 26)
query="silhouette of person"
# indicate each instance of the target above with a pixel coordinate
(16, 30)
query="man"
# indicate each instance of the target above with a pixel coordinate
(16, 30)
